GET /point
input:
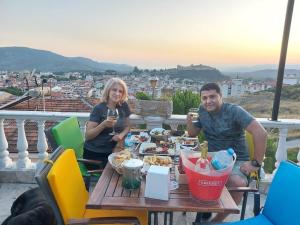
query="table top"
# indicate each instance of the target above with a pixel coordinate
(109, 194)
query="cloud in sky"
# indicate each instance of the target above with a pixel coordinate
(153, 33)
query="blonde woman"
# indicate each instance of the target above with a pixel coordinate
(100, 141)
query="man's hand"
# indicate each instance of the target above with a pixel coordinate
(189, 119)
(247, 168)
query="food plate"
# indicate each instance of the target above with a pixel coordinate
(156, 160)
(160, 149)
(159, 133)
(138, 138)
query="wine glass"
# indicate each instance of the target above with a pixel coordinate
(113, 114)
(194, 113)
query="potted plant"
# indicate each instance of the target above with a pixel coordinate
(144, 105)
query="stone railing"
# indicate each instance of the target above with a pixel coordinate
(24, 162)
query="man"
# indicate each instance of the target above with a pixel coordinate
(224, 126)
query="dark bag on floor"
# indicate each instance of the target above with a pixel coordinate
(31, 208)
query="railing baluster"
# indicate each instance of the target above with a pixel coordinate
(281, 153)
(23, 161)
(42, 145)
(5, 160)
(153, 121)
(82, 127)
(173, 126)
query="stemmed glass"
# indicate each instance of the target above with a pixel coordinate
(113, 114)
(194, 113)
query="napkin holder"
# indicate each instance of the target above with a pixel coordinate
(158, 183)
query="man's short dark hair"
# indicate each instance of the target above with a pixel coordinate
(211, 86)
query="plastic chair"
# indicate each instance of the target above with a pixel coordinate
(68, 134)
(282, 203)
(254, 176)
(61, 182)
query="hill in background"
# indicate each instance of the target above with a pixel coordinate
(22, 58)
(199, 72)
(260, 104)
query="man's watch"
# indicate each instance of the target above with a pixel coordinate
(255, 163)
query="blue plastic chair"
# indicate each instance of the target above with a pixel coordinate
(282, 205)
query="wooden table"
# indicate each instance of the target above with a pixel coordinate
(109, 194)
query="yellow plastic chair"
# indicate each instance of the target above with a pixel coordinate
(253, 176)
(61, 182)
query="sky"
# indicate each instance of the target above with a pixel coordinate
(154, 33)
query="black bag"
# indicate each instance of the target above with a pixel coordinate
(31, 208)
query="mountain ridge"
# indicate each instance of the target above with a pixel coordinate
(24, 58)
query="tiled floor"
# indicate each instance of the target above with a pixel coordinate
(10, 191)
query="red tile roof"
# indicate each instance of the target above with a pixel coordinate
(52, 104)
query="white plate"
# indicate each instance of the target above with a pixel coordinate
(135, 138)
(157, 131)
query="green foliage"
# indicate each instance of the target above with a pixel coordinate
(13, 91)
(270, 160)
(142, 96)
(183, 101)
(289, 92)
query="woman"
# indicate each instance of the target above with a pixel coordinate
(99, 139)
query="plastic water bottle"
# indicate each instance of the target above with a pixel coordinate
(128, 142)
(222, 159)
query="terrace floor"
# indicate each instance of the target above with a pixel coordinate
(10, 191)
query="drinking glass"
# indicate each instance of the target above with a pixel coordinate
(113, 114)
(194, 113)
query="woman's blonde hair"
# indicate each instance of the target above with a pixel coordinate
(110, 83)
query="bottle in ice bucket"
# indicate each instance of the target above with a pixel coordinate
(203, 165)
(222, 159)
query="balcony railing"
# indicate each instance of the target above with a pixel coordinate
(24, 162)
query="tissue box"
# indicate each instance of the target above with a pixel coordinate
(158, 182)
(180, 177)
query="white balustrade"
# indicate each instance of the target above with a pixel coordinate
(5, 161)
(42, 144)
(153, 121)
(24, 162)
(281, 153)
(82, 126)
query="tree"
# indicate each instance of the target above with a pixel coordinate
(183, 101)
(13, 91)
(142, 96)
(136, 70)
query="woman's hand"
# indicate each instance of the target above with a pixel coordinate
(109, 122)
(117, 137)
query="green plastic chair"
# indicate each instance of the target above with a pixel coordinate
(68, 135)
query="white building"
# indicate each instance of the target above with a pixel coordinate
(290, 79)
(232, 88)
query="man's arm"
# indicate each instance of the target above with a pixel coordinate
(192, 130)
(259, 135)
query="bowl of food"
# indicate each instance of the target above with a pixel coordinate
(117, 159)
(159, 134)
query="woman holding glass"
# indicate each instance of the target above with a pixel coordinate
(108, 123)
